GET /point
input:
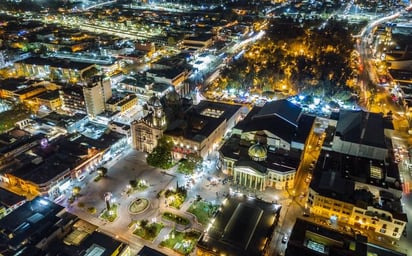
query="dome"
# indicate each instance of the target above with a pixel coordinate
(257, 152)
(173, 97)
(154, 102)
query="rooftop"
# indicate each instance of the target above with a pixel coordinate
(281, 118)
(276, 160)
(57, 63)
(29, 222)
(147, 251)
(49, 95)
(169, 73)
(240, 228)
(310, 239)
(9, 199)
(198, 126)
(361, 127)
(85, 240)
(335, 176)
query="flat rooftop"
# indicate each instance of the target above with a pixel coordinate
(28, 222)
(240, 228)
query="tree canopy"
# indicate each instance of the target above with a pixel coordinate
(295, 56)
(190, 163)
(161, 156)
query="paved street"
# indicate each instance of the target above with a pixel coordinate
(207, 184)
(132, 165)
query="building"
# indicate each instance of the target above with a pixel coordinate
(360, 133)
(197, 129)
(96, 94)
(20, 89)
(198, 42)
(121, 103)
(174, 76)
(83, 238)
(26, 230)
(67, 123)
(73, 99)
(202, 128)
(49, 100)
(139, 84)
(40, 167)
(242, 226)
(27, 92)
(41, 227)
(266, 147)
(147, 251)
(11, 147)
(147, 131)
(358, 191)
(311, 239)
(355, 180)
(120, 128)
(9, 201)
(54, 69)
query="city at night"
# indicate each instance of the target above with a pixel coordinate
(205, 128)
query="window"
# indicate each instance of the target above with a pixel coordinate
(376, 172)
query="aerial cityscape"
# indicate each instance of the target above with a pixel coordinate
(208, 128)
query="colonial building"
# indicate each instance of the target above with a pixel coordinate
(347, 189)
(312, 239)
(121, 103)
(355, 180)
(265, 148)
(147, 131)
(47, 168)
(194, 129)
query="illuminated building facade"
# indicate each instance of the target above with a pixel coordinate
(199, 131)
(355, 181)
(96, 94)
(265, 148)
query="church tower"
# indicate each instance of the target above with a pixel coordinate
(158, 115)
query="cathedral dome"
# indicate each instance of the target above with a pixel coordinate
(173, 97)
(154, 102)
(257, 152)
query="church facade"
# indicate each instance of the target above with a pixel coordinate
(193, 129)
(260, 152)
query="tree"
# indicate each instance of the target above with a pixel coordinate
(133, 183)
(161, 156)
(143, 223)
(76, 191)
(189, 164)
(102, 171)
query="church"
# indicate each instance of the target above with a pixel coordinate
(193, 128)
(265, 149)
